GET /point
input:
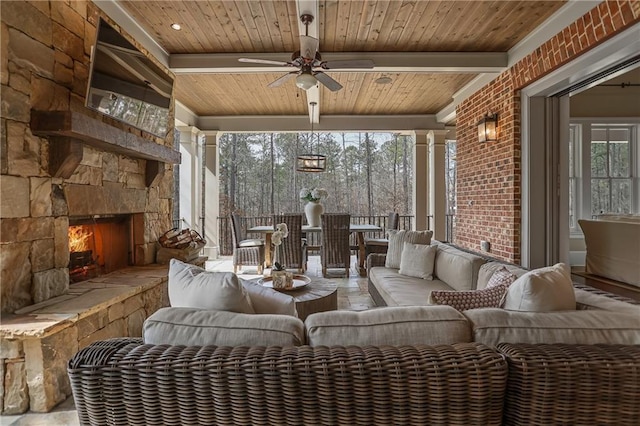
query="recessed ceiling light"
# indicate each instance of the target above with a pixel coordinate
(383, 80)
(176, 26)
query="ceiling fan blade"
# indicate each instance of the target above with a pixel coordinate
(264, 61)
(329, 82)
(281, 80)
(349, 63)
(308, 46)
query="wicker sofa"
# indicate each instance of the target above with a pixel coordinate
(123, 381)
(396, 365)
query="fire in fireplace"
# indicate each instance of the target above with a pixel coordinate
(99, 245)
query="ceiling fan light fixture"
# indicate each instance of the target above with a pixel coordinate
(306, 81)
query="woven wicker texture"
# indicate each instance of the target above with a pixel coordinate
(572, 384)
(379, 245)
(125, 382)
(293, 250)
(335, 251)
(245, 255)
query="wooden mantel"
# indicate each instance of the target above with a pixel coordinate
(68, 130)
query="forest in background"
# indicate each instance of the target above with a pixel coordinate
(367, 173)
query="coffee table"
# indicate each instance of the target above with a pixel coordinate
(319, 295)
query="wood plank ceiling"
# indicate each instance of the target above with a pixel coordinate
(359, 27)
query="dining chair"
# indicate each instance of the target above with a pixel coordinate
(380, 245)
(293, 250)
(245, 251)
(335, 250)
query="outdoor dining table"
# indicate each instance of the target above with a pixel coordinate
(359, 229)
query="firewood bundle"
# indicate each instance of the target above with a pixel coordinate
(184, 245)
(181, 239)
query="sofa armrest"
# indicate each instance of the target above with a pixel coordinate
(376, 259)
(572, 384)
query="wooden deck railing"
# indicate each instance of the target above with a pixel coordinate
(406, 222)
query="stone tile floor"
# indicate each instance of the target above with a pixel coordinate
(352, 295)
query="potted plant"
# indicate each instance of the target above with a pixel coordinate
(281, 278)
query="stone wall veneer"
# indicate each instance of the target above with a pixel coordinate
(44, 65)
(45, 51)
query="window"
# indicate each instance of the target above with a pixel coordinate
(603, 170)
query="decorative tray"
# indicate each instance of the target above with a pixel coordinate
(299, 281)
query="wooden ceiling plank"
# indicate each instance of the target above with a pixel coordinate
(401, 25)
(245, 16)
(153, 21)
(342, 28)
(214, 31)
(423, 27)
(288, 20)
(233, 37)
(354, 23)
(365, 28)
(175, 12)
(412, 28)
(467, 15)
(195, 20)
(440, 25)
(390, 15)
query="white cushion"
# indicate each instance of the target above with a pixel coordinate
(542, 290)
(417, 260)
(396, 244)
(411, 325)
(192, 287)
(197, 327)
(494, 326)
(251, 243)
(266, 300)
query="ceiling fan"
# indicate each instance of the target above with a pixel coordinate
(310, 64)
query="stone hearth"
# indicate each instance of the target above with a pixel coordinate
(38, 341)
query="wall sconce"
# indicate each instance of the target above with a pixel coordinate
(487, 128)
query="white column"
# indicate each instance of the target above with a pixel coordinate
(211, 193)
(190, 178)
(421, 181)
(437, 184)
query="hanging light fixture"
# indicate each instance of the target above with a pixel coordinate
(311, 162)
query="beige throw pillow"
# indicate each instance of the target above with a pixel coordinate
(266, 300)
(194, 287)
(542, 290)
(396, 244)
(417, 260)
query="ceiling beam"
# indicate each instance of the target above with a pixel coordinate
(441, 62)
(329, 123)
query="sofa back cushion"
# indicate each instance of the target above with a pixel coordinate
(493, 325)
(457, 268)
(198, 327)
(396, 244)
(415, 325)
(193, 287)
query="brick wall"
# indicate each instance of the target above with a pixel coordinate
(45, 49)
(489, 175)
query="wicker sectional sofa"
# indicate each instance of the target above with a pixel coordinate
(124, 381)
(418, 365)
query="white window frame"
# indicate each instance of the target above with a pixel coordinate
(582, 163)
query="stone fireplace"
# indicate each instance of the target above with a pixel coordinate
(62, 166)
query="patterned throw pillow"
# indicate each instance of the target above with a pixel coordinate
(472, 299)
(501, 277)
